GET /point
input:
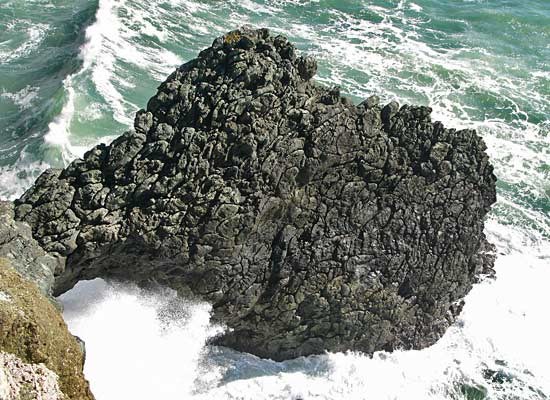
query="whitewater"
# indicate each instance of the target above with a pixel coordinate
(478, 63)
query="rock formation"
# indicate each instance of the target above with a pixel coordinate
(309, 222)
(39, 358)
(24, 253)
(22, 381)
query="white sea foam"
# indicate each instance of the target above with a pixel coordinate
(415, 7)
(24, 98)
(58, 130)
(99, 59)
(112, 42)
(140, 345)
(35, 33)
(17, 178)
(114, 39)
(93, 111)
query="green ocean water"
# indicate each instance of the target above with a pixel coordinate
(73, 73)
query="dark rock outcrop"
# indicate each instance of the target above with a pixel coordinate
(24, 253)
(309, 222)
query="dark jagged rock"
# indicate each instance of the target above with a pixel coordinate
(310, 223)
(24, 253)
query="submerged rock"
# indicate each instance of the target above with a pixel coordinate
(310, 223)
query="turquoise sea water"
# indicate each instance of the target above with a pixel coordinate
(72, 73)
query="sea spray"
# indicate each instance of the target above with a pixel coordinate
(140, 344)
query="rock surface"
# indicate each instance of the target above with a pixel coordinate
(35, 343)
(24, 253)
(22, 381)
(310, 223)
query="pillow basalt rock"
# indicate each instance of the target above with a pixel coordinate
(310, 223)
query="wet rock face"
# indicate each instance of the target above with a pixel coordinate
(310, 223)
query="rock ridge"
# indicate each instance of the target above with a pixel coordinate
(309, 222)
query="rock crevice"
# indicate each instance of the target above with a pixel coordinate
(309, 222)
